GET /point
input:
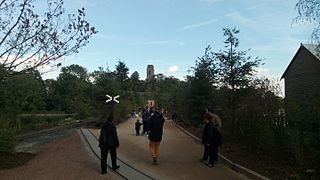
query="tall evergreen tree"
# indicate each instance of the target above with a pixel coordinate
(202, 85)
(236, 70)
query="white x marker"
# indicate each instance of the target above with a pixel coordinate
(110, 98)
(114, 98)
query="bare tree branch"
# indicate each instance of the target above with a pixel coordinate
(33, 40)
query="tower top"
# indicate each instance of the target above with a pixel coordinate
(150, 71)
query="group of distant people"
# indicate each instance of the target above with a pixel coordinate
(152, 122)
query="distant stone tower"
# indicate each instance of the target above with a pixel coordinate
(150, 71)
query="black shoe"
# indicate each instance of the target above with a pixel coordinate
(115, 168)
(104, 172)
(209, 165)
(154, 160)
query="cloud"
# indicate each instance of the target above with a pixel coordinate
(192, 26)
(28, 61)
(262, 71)
(173, 69)
(242, 20)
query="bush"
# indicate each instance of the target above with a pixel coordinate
(7, 141)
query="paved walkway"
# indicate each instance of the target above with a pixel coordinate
(63, 159)
(179, 155)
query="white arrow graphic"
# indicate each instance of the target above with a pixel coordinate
(115, 99)
(110, 98)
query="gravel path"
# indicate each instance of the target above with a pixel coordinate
(179, 155)
(64, 158)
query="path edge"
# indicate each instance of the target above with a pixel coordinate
(235, 166)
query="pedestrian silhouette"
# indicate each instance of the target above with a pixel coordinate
(108, 142)
(137, 127)
(155, 134)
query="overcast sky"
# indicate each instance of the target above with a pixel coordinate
(171, 34)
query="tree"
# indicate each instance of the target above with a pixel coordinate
(135, 82)
(28, 40)
(122, 71)
(309, 11)
(202, 85)
(22, 93)
(77, 71)
(73, 91)
(236, 70)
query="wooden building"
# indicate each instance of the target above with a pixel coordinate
(302, 80)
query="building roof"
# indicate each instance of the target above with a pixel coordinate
(312, 48)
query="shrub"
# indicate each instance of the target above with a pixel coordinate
(7, 141)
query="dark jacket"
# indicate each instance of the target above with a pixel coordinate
(138, 125)
(108, 136)
(156, 127)
(211, 135)
(207, 133)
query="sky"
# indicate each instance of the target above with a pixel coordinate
(172, 34)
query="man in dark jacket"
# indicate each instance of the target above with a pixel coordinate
(155, 134)
(145, 121)
(210, 140)
(108, 141)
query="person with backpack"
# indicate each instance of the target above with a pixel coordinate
(108, 142)
(155, 134)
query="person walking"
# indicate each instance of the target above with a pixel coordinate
(145, 121)
(155, 134)
(137, 127)
(108, 141)
(210, 140)
(174, 116)
(216, 121)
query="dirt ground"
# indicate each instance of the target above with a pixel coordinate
(64, 158)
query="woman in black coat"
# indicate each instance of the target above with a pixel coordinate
(108, 141)
(211, 140)
(155, 134)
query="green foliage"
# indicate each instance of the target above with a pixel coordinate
(308, 11)
(7, 141)
(71, 92)
(236, 68)
(23, 92)
(201, 86)
(20, 93)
